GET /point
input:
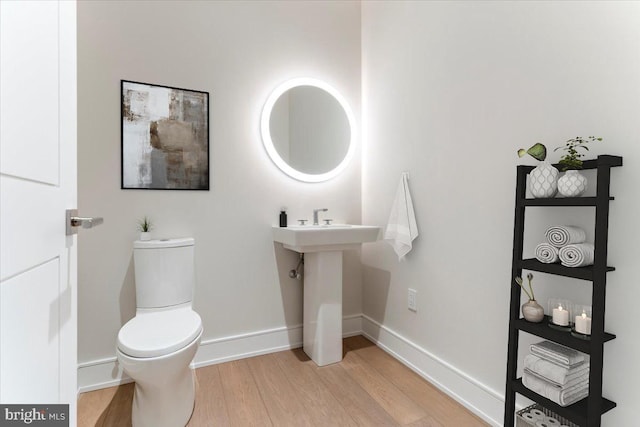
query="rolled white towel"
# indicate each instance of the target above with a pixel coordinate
(579, 255)
(562, 235)
(547, 253)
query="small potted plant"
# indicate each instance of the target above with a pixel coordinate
(573, 183)
(145, 226)
(531, 310)
(543, 180)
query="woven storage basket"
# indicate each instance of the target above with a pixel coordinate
(531, 415)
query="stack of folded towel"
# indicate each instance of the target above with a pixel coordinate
(556, 372)
(565, 243)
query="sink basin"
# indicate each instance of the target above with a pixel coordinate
(317, 238)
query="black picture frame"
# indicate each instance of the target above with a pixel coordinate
(164, 137)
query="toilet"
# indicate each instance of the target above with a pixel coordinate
(157, 346)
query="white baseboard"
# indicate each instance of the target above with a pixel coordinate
(352, 325)
(483, 401)
(101, 373)
(226, 349)
(106, 372)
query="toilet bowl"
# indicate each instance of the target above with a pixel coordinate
(165, 388)
(157, 346)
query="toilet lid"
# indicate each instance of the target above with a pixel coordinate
(157, 333)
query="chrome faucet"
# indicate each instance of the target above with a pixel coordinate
(315, 215)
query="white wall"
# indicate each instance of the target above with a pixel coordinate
(238, 52)
(450, 91)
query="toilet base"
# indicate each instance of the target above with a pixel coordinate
(164, 393)
(164, 406)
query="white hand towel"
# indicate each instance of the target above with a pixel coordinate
(402, 228)
(555, 374)
(578, 380)
(558, 354)
(563, 235)
(547, 253)
(579, 255)
(562, 396)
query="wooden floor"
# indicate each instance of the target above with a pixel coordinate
(368, 388)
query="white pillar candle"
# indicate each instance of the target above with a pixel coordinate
(583, 324)
(560, 316)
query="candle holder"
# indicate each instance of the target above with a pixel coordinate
(582, 322)
(560, 316)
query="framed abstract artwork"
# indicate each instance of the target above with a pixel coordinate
(165, 137)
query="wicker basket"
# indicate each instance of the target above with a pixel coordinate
(539, 416)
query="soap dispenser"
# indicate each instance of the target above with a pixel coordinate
(283, 217)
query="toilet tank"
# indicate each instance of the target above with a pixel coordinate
(164, 272)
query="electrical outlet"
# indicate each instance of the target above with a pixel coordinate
(412, 300)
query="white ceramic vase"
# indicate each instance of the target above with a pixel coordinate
(532, 311)
(145, 235)
(543, 181)
(572, 184)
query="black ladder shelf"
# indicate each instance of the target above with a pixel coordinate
(588, 411)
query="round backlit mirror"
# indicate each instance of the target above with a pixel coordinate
(307, 129)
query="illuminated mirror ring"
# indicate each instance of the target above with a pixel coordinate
(266, 130)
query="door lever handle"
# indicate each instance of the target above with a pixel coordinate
(78, 221)
(73, 221)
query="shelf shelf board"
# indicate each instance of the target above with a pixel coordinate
(565, 338)
(576, 413)
(561, 201)
(584, 273)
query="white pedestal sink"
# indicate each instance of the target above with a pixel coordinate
(322, 310)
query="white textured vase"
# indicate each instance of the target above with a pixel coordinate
(572, 184)
(543, 181)
(145, 235)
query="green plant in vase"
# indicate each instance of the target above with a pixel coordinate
(145, 226)
(531, 310)
(573, 183)
(571, 160)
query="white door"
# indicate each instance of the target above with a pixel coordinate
(38, 323)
